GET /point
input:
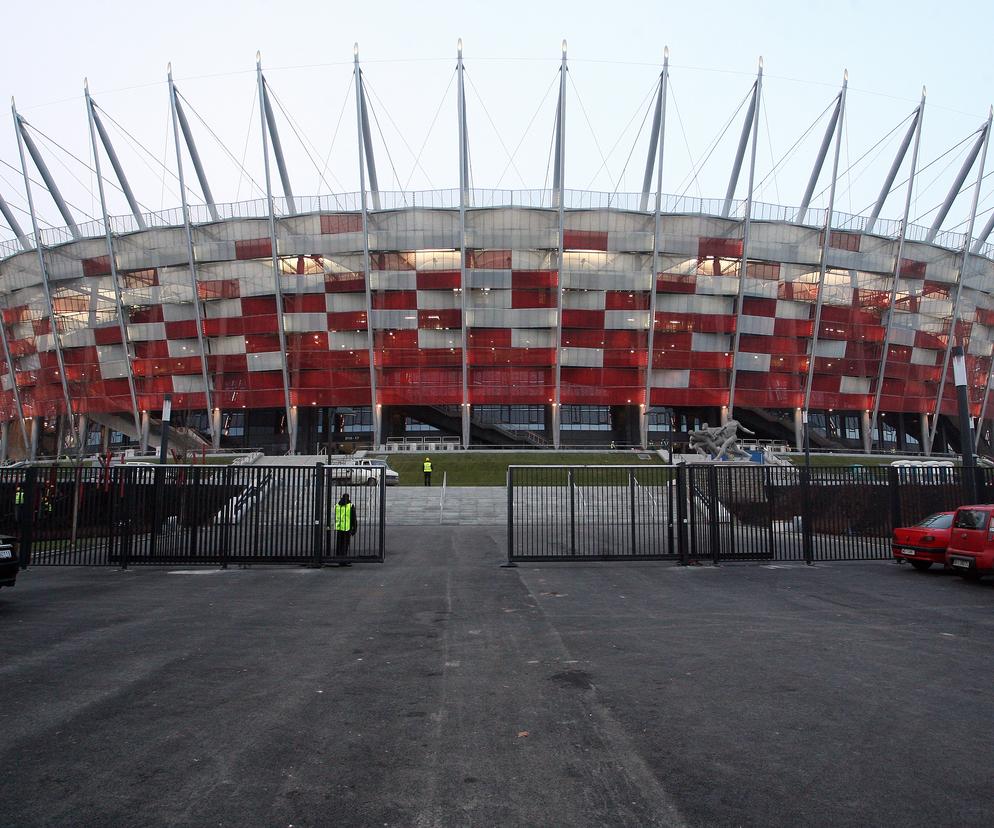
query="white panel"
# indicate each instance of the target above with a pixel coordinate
(29, 362)
(265, 362)
(398, 319)
(146, 331)
(924, 356)
(533, 338)
(585, 299)
(181, 348)
(227, 345)
(531, 260)
(489, 299)
(78, 339)
(670, 379)
(114, 370)
(626, 320)
(439, 339)
(854, 385)
(185, 313)
(711, 342)
(110, 353)
(752, 362)
(437, 259)
(439, 299)
(480, 278)
(341, 302)
(302, 322)
(761, 325)
(348, 340)
(222, 309)
(689, 303)
(521, 318)
(834, 348)
(583, 357)
(393, 280)
(188, 384)
(788, 309)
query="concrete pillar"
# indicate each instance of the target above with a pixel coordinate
(550, 430)
(798, 430)
(4, 440)
(146, 425)
(35, 432)
(83, 431)
(865, 432)
(291, 429)
(104, 439)
(723, 414)
(644, 426)
(216, 428)
(377, 438)
(467, 416)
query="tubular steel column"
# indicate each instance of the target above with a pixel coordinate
(964, 171)
(746, 225)
(118, 305)
(897, 260)
(173, 106)
(14, 224)
(365, 134)
(558, 184)
(657, 150)
(824, 246)
(24, 137)
(913, 130)
(747, 127)
(291, 420)
(46, 287)
(191, 145)
(274, 133)
(375, 410)
(967, 240)
(463, 199)
(116, 164)
(819, 162)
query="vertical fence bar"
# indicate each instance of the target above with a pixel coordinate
(713, 505)
(631, 492)
(28, 516)
(572, 513)
(317, 537)
(807, 540)
(383, 513)
(681, 505)
(510, 515)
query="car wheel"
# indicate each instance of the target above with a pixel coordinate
(921, 566)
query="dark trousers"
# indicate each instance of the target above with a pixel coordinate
(427, 478)
(342, 541)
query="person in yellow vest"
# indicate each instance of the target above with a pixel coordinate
(18, 503)
(427, 471)
(346, 524)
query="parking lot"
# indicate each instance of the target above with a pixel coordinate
(439, 689)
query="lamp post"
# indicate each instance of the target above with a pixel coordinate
(965, 428)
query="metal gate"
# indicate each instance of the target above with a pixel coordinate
(216, 515)
(721, 513)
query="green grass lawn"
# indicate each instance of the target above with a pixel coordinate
(473, 468)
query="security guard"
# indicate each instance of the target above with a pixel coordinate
(346, 524)
(427, 471)
(18, 502)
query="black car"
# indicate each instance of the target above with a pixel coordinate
(8, 562)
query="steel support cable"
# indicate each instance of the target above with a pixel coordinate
(859, 160)
(334, 138)
(683, 130)
(712, 145)
(163, 167)
(769, 144)
(866, 168)
(221, 144)
(525, 134)
(631, 152)
(40, 185)
(982, 200)
(793, 147)
(500, 138)
(23, 210)
(304, 140)
(928, 186)
(431, 127)
(248, 137)
(590, 126)
(400, 132)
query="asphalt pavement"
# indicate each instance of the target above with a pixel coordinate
(438, 689)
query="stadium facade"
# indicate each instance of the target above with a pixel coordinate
(551, 316)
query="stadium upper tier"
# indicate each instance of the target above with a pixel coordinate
(496, 303)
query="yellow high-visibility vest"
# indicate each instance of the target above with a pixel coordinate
(343, 517)
(19, 497)
(427, 465)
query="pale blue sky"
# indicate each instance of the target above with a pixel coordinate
(511, 52)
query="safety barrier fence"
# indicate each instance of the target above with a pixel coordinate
(720, 513)
(217, 515)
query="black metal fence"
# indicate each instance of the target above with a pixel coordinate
(218, 515)
(719, 513)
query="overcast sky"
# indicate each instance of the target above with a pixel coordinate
(512, 52)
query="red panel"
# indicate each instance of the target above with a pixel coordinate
(625, 359)
(793, 327)
(153, 349)
(253, 249)
(489, 337)
(584, 240)
(221, 363)
(97, 266)
(344, 283)
(261, 344)
(676, 283)
(533, 299)
(438, 279)
(145, 314)
(519, 357)
(752, 306)
(910, 269)
(186, 329)
(347, 321)
(725, 248)
(392, 261)
(534, 279)
(108, 335)
(304, 303)
(307, 341)
(341, 223)
(395, 300)
(254, 305)
(396, 339)
(573, 318)
(626, 300)
(699, 322)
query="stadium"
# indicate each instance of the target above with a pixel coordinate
(547, 317)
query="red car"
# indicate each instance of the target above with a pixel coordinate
(924, 543)
(971, 542)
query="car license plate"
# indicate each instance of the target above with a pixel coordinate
(6, 553)
(961, 562)
(908, 551)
